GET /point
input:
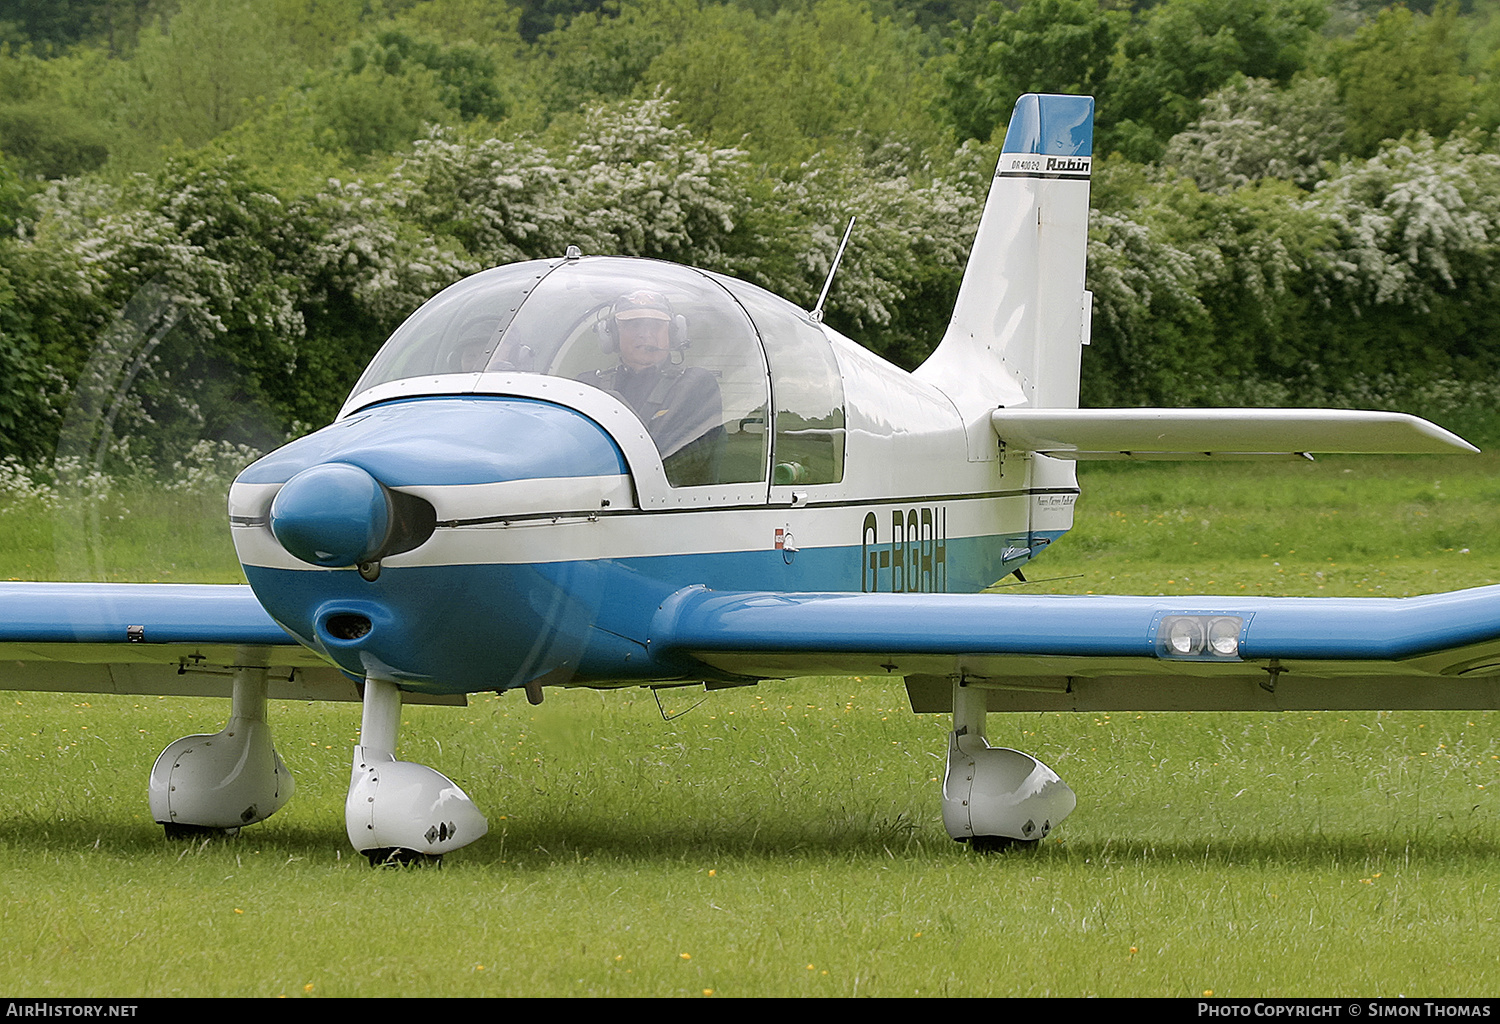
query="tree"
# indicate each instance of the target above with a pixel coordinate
(40, 130)
(56, 24)
(1250, 130)
(1064, 46)
(605, 55)
(795, 83)
(1182, 50)
(196, 76)
(27, 419)
(1402, 73)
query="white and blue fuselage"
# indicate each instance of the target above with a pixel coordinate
(556, 533)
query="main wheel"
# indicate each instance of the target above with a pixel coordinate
(185, 832)
(997, 844)
(398, 857)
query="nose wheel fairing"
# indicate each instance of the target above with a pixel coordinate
(397, 811)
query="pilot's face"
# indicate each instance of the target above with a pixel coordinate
(471, 359)
(644, 342)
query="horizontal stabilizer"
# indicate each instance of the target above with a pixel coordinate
(1219, 433)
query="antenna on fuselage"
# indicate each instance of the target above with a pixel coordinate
(817, 313)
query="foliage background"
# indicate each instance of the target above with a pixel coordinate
(1296, 201)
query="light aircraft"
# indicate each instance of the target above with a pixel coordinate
(513, 498)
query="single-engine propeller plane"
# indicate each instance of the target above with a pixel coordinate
(595, 471)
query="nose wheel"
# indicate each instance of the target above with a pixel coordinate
(401, 812)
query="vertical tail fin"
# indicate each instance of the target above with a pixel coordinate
(1022, 315)
(1022, 312)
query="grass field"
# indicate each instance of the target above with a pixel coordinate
(786, 839)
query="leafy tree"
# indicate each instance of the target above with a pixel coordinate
(622, 180)
(1064, 46)
(371, 110)
(1250, 130)
(196, 76)
(316, 31)
(1148, 318)
(463, 72)
(228, 276)
(1419, 220)
(604, 55)
(1384, 273)
(799, 81)
(1260, 255)
(394, 80)
(26, 417)
(202, 234)
(1182, 50)
(40, 130)
(938, 16)
(537, 17)
(56, 24)
(1402, 73)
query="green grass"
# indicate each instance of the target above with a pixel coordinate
(140, 533)
(1361, 527)
(786, 839)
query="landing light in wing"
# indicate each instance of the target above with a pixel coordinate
(1199, 637)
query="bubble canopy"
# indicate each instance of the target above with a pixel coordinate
(697, 356)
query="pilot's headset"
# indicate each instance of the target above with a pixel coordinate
(641, 304)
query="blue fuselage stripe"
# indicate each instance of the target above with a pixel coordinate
(461, 628)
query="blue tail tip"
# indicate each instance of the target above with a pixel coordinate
(1051, 125)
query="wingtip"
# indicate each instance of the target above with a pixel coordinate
(1452, 444)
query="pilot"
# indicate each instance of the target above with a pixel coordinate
(468, 355)
(680, 405)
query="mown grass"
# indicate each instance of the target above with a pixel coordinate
(138, 533)
(1362, 527)
(786, 839)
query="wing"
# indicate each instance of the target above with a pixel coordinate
(1099, 653)
(172, 639)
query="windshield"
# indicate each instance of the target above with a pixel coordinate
(806, 389)
(456, 330)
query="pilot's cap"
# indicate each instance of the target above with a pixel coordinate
(643, 304)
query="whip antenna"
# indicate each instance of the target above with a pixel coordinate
(817, 313)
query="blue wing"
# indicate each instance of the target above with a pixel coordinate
(151, 639)
(1058, 652)
(1048, 652)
